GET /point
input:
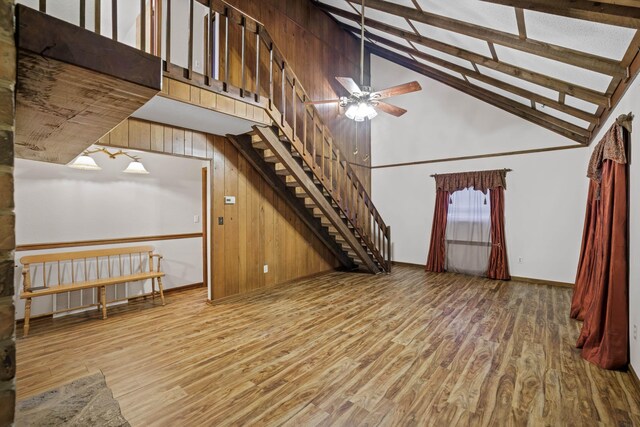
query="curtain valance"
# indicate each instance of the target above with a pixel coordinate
(479, 180)
(611, 147)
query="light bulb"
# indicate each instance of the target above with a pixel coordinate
(352, 111)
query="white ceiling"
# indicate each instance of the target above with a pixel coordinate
(598, 39)
(176, 113)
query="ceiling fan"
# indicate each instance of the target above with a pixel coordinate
(363, 102)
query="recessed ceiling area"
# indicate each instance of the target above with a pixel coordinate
(165, 110)
(563, 67)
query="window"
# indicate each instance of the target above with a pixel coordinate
(468, 232)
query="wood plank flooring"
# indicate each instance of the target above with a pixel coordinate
(410, 348)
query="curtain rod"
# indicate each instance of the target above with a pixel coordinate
(506, 170)
(625, 120)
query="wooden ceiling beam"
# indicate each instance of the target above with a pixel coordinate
(595, 11)
(534, 97)
(631, 61)
(552, 83)
(549, 122)
(547, 50)
(522, 27)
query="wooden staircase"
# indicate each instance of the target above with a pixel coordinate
(342, 228)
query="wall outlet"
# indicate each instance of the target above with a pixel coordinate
(229, 200)
(265, 269)
(196, 219)
(520, 260)
(635, 332)
(197, 63)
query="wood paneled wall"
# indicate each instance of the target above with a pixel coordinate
(318, 50)
(258, 229)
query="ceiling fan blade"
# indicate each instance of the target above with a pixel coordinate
(349, 84)
(390, 109)
(397, 90)
(326, 101)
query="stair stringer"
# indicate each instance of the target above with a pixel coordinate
(270, 138)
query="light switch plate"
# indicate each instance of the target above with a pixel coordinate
(265, 269)
(196, 219)
(229, 200)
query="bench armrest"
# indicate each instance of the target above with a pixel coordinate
(160, 257)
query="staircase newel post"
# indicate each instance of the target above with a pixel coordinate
(388, 249)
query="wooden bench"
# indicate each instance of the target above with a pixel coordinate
(70, 265)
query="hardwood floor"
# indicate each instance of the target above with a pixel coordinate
(411, 348)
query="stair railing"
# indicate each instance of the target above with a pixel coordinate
(228, 51)
(299, 122)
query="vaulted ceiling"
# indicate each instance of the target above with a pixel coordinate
(561, 64)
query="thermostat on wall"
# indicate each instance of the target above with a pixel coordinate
(229, 200)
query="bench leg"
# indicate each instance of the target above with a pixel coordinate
(103, 301)
(27, 315)
(153, 289)
(160, 288)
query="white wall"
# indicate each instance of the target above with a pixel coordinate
(55, 203)
(543, 226)
(546, 195)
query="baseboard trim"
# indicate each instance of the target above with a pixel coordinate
(268, 288)
(535, 281)
(530, 280)
(634, 378)
(166, 291)
(407, 264)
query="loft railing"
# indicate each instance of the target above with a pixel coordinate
(211, 44)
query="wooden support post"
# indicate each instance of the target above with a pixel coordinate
(284, 95)
(388, 249)
(294, 112)
(271, 76)
(190, 47)
(243, 65)
(205, 50)
(256, 96)
(143, 25)
(304, 125)
(97, 17)
(114, 20)
(322, 154)
(168, 34)
(83, 14)
(225, 85)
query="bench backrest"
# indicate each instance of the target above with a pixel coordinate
(53, 269)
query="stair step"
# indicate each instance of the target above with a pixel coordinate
(318, 213)
(281, 170)
(300, 192)
(290, 181)
(269, 157)
(309, 203)
(257, 142)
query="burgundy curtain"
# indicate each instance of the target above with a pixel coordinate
(601, 290)
(582, 291)
(435, 260)
(498, 263)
